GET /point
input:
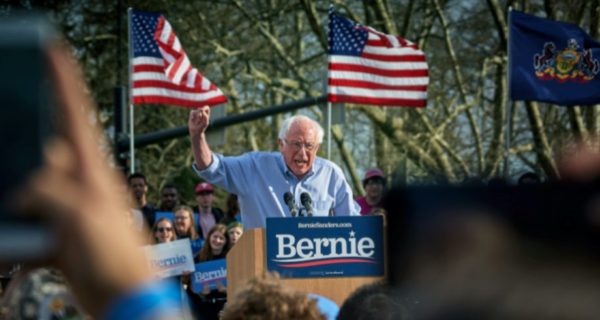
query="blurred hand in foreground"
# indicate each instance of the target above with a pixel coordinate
(78, 192)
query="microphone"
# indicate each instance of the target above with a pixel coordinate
(307, 203)
(289, 200)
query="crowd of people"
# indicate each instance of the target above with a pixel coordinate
(212, 232)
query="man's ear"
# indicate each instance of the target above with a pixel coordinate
(281, 144)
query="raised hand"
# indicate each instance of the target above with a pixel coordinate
(197, 124)
(198, 121)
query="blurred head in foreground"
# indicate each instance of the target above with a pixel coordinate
(265, 297)
(500, 253)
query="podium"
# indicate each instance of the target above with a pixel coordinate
(247, 259)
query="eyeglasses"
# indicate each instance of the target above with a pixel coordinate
(164, 229)
(297, 145)
(204, 193)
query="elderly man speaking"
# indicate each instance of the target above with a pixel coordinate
(262, 179)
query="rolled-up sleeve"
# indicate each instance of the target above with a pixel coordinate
(229, 173)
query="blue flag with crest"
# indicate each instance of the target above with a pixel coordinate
(551, 61)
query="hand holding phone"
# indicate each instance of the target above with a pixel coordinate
(72, 189)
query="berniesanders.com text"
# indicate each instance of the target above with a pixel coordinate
(326, 225)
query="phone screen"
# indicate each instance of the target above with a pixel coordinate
(25, 125)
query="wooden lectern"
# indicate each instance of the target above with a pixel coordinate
(247, 260)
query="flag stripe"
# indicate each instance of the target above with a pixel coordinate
(378, 79)
(383, 57)
(162, 84)
(377, 101)
(399, 64)
(157, 91)
(387, 94)
(372, 85)
(149, 99)
(377, 71)
(385, 51)
(148, 68)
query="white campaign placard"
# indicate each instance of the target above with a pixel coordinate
(171, 258)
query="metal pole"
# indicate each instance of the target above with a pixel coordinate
(508, 102)
(329, 130)
(131, 122)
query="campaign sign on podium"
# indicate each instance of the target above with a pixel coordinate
(325, 246)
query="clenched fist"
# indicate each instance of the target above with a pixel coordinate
(198, 121)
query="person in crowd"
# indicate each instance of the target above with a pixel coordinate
(374, 184)
(265, 297)
(375, 301)
(232, 212)
(260, 179)
(163, 231)
(138, 187)
(185, 227)
(529, 178)
(169, 198)
(208, 303)
(208, 214)
(215, 246)
(497, 182)
(235, 230)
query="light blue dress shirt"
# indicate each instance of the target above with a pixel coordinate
(261, 178)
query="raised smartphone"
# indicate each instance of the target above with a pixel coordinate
(26, 123)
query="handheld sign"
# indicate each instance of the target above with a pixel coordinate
(325, 246)
(209, 273)
(171, 258)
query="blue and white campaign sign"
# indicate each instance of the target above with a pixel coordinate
(171, 216)
(209, 273)
(170, 258)
(325, 246)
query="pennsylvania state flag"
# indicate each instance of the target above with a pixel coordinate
(552, 61)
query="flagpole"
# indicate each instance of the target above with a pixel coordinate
(508, 101)
(328, 130)
(131, 122)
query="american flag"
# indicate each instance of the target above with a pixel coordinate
(370, 67)
(162, 71)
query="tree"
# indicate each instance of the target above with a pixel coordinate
(263, 53)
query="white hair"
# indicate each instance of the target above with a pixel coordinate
(287, 124)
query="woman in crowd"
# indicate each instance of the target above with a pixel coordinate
(163, 231)
(208, 303)
(234, 233)
(185, 227)
(215, 246)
